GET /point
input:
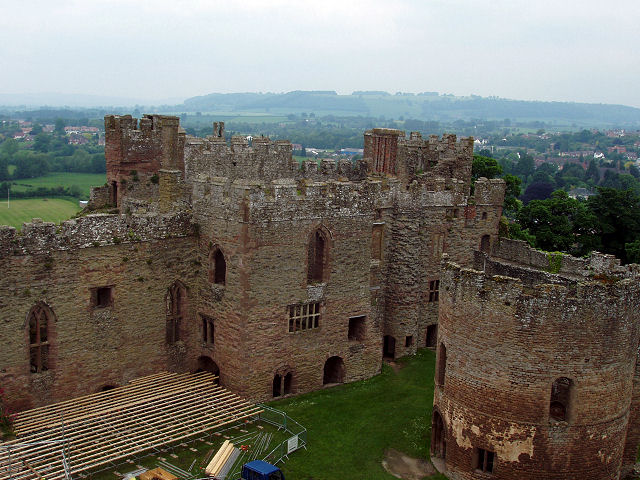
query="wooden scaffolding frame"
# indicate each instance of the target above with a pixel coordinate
(96, 429)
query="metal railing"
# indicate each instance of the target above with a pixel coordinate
(281, 420)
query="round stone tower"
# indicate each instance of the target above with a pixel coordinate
(535, 371)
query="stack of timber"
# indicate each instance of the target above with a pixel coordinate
(93, 430)
(220, 459)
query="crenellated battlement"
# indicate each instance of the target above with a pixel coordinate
(262, 158)
(39, 237)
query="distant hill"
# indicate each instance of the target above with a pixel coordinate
(424, 106)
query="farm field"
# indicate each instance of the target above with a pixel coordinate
(48, 209)
(351, 426)
(65, 179)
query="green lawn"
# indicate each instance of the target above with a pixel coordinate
(83, 180)
(351, 426)
(49, 209)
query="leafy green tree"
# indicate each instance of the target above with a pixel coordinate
(511, 203)
(633, 251)
(9, 147)
(36, 129)
(484, 167)
(618, 219)
(593, 173)
(59, 127)
(42, 142)
(559, 223)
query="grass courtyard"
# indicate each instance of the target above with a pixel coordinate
(351, 426)
(49, 209)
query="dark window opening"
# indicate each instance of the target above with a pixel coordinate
(484, 215)
(560, 398)
(408, 341)
(432, 336)
(175, 311)
(317, 257)
(277, 385)
(484, 460)
(389, 347)
(442, 365)
(208, 330)
(333, 371)
(485, 244)
(114, 193)
(304, 317)
(101, 297)
(106, 388)
(356, 328)
(434, 290)
(217, 267)
(455, 213)
(438, 439)
(38, 339)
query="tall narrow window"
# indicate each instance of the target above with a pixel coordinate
(434, 290)
(485, 244)
(560, 398)
(376, 241)
(208, 330)
(442, 365)
(39, 320)
(176, 297)
(217, 267)
(317, 257)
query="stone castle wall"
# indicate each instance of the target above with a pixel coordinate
(507, 339)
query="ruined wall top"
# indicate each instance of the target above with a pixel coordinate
(39, 237)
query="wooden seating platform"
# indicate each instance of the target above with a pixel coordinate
(104, 427)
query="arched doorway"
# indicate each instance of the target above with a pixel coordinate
(438, 440)
(333, 371)
(106, 388)
(206, 364)
(389, 347)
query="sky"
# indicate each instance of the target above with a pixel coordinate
(158, 50)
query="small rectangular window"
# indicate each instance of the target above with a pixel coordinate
(101, 297)
(408, 341)
(208, 329)
(356, 328)
(434, 290)
(484, 460)
(303, 317)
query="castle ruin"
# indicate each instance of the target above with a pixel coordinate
(230, 257)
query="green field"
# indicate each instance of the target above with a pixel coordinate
(66, 179)
(350, 426)
(49, 209)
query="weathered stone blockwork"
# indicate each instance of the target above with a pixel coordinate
(503, 343)
(255, 243)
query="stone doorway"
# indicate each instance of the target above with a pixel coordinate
(389, 347)
(206, 364)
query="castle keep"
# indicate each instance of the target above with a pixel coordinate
(233, 258)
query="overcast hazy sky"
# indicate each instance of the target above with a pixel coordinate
(567, 50)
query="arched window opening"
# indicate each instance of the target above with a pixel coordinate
(485, 244)
(277, 385)
(176, 299)
(442, 365)
(560, 399)
(206, 364)
(217, 267)
(333, 371)
(438, 437)
(317, 257)
(39, 321)
(114, 193)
